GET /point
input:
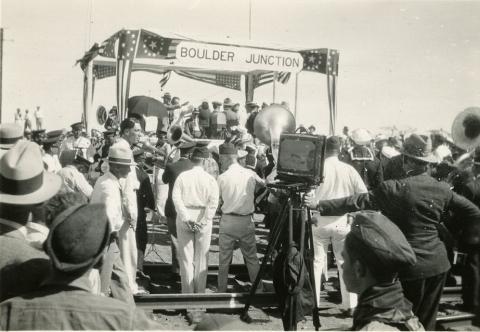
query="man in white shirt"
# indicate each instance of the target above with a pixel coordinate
(110, 190)
(39, 118)
(77, 141)
(340, 180)
(50, 159)
(195, 196)
(237, 189)
(72, 174)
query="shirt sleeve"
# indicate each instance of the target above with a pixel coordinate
(340, 206)
(212, 202)
(83, 186)
(112, 205)
(359, 186)
(177, 199)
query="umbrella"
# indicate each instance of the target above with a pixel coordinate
(147, 106)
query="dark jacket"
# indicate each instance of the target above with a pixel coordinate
(69, 305)
(22, 267)
(366, 164)
(416, 205)
(172, 171)
(383, 307)
(145, 199)
(394, 169)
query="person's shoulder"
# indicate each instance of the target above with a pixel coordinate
(378, 326)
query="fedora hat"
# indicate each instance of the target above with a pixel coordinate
(361, 136)
(227, 103)
(78, 237)
(419, 148)
(10, 133)
(23, 181)
(120, 155)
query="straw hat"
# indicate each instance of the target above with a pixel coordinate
(10, 133)
(361, 136)
(23, 181)
(120, 155)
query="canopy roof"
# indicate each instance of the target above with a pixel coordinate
(220, 63)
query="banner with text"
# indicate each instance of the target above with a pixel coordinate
(233, 58)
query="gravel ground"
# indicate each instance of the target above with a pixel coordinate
(158, 252)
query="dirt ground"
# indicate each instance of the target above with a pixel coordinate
(158, 252)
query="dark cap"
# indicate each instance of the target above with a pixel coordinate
(187, 146)
(252, 104)
(76, 125)
(38, 132)
(109, 132)
(200, 152)
(55, 133)
(216, 104)
(51, 140)
(381, 244)
(227, 148)
(333, 143)
(78, 237)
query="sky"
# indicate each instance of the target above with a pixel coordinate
(412, 64)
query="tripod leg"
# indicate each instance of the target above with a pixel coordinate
(311, 257)
(277, 231)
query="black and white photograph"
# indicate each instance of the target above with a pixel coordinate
(244, 165)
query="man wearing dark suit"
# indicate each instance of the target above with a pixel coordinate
(145, 200)
(172, 171)
(471, 268)
(416, 204)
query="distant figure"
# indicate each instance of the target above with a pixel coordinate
(19, 118)
(39, 118)
(28, 121)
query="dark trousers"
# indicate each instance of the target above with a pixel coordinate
(425, 296)
(471, 280)
(172, 229)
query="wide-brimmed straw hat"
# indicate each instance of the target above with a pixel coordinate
(10, 133)
(361, 136)
(23, 180)
(419, 148)
(120, 155)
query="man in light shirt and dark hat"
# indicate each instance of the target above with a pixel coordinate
(77, 141)
(237, 189)
(195, 195)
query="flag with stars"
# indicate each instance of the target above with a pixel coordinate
(155, 46)
(321, 60)
(107, 49)
(229, 81)
(315, 60)
(127, 48)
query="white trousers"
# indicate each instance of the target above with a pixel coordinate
(193, 253)
(331, 230)
(232, 229)
(128, 253)
(161, 192)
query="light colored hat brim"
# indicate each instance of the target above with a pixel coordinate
(119, 163)
(7, 146)
(51, 185)
(431, 159)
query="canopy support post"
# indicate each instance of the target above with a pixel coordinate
(296, 95)
(87, 93)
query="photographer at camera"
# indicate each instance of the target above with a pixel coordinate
(340, 180)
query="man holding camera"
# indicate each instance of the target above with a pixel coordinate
(340, 180)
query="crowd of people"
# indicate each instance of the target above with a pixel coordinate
(74, 208)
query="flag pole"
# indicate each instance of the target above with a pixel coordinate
(296, 94)
(274, 86)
